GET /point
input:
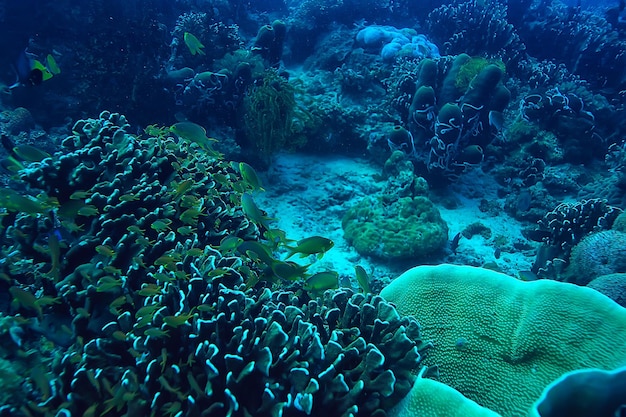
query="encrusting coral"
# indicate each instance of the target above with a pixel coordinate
(138, 259)
(500, 341)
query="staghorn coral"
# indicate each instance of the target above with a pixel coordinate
(242, 353)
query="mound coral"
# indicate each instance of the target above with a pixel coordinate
(600, 253)
(408, 228)
(611, 285)
(434, 399)
(500, 341)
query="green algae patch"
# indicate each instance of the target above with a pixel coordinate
(410, 227)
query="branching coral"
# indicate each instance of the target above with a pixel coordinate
(564, 227)
(475, 28)
(138, 258)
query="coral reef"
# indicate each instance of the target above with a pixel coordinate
(585, 42)
(140, 258)
(501, 341)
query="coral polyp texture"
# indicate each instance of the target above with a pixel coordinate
(501, 341)
(121, 261)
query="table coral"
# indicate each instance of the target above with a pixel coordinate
(517, 337)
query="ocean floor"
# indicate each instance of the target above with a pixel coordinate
(308, 195)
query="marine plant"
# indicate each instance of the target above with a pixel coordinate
(272, 118)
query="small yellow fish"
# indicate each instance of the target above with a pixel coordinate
(185, 230)
(289, 271)
(110, 269)
(322, 281)
(148, 310)
(88, 210)
(192, 132)
(250, 176)
(315, 245)
(161, 225)
(193, 44)
(128, 197)
(119, 335)
(144, 241)
(25, 299)
(176, 321)
(157, 333)
(182, 188)
(108, 283)
(148, 290)
(30, 153)
(362, 278)
(105, 250)
(253, 212)
(190, 216)
(195, 252)
(135, 229)
(228, 244)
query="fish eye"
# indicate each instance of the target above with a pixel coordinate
(35, 77)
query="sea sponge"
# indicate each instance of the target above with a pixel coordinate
(410, 227)
(600, 253)
(500, 341)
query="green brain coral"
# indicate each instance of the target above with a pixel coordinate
(500, 341)
(407, 228)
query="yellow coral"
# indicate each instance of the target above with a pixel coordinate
(500, 341)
